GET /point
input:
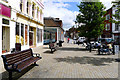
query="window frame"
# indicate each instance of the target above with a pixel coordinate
(107, 16)
(107, 27)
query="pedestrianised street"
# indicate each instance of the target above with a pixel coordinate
(70, 61)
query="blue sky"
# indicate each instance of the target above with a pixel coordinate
(66, 10)
(73, 6)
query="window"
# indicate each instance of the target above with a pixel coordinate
(37, 13)
(26, 33)
(17, 29)
(27, 7)
(107, 26)
(116, 27)
(22, 34)
(39, 35)
(5, 21)
(108, 17)
(21, 5)
(40, 14)
(19, 37)
(117, 14)
(117, 39)
(17, 33)
(33, 7)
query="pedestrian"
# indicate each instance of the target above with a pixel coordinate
(68, 40)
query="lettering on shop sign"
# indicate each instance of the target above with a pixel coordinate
(5, 21)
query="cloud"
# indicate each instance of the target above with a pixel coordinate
(107, 3)
(59, 10)
(62, 0)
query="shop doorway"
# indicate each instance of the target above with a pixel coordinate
(31, 38)
(5, 39)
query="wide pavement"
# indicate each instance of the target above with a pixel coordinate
(72, 61)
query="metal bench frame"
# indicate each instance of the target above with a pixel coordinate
(18, 61)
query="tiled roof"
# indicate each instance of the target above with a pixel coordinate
(52, 22)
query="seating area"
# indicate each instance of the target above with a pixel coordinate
(53, 47)
(18, 61)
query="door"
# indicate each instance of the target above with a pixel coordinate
(5, 39)
(31, 38)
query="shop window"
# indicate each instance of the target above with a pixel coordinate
(26, 33)
(17, 28)
(22, 34)
(17, 33)
(39, 35)
(20, 37)
(117, 39)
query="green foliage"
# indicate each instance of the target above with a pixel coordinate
(91, 16)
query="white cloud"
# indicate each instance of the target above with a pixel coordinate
(58, 9)
(107, 3)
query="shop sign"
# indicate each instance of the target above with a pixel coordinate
(4, 10)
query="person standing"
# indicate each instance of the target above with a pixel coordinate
(68, 40)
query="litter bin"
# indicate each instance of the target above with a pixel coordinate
(60, 43)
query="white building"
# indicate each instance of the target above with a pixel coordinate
(116, 26)
(21, 21)
(53, 30)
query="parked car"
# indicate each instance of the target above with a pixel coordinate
(80, 40)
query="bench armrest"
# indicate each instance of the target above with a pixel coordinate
(37, 55)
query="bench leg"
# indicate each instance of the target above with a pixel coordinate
(10, 75)
(35, 64)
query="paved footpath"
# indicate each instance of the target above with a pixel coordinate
(72, 61)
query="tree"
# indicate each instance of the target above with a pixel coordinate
(91, 16)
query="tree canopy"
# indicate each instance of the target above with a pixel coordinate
(91, 17)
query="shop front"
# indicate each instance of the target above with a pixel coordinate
(5, 14)
(28, 32)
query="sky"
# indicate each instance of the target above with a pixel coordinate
(66, 10)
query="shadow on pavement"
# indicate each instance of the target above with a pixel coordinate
(73, 49)
(48, 52)
(16, 75)
(45, 47)
(117, 60)
(95, 61)
(102, 54)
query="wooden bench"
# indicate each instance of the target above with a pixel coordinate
(53, 46)
(18, 61)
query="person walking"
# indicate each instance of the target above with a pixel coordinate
(68, 40)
